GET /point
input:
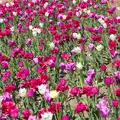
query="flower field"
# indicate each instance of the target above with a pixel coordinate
(59, 60)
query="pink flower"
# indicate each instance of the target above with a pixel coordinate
(4, 64)
(30, 93)
(108, 80)
(80, 107)
(75, 91)
(89, 80)
(62, 85)
(103, 108)
(47, 95)
(32, 118)
(65, 118)
(118, 119)
(103, 67)
(14, 113)
(115, 103)
(91, 47)
(28, 41)
(22, 73)
(11, 43)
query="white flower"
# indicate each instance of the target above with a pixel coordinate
(38, 30)
(85, 10)
(33, 1)
(46, 4)
(42, 88)
(99, 47)
(1, 1)
(74, 2)
(52, 45)
(46, 14)
(41, 25)
(29, 4)
(78, 36)
(112, 37)
(79, 65)
(14, 13)
(118, 17)
(12, 29)
(104, 25)
(11, 3)
(118, 8)
(77, 14)
(47, 116)
(76, 50)
(101, 20)
(30, 27)
(84, 0)
(34, 33)
(88, 11)
(75, 35)
(7, 4)
(22, 92)
(64, 17)
(1, 20)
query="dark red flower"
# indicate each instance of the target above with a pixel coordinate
(112, 44)
(117, 92)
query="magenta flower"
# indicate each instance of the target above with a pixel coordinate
(115, 103)
(108, 80)
(65, 118)
(22, 73)
(103, 108)
(14, 113)
(89, 80)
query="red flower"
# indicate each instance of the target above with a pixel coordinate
(117, 92)
(9, 88)
(65, 56)
(80, 107)
(62, 85)
(96, 38)
(26, 114)
(112, 44)
(8, 106)
(76, 23)
(90, 90)
(54, 107)
(103, 67)
(112, 30)
(22, 73)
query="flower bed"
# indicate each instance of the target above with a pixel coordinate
(59, 60)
